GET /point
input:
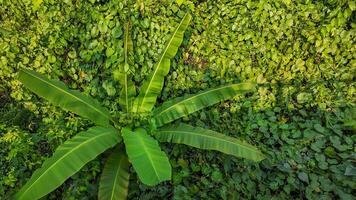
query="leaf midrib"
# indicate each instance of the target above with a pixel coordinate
(148, 155)
(68, 93)
(159, 63)
(209, 136)
(61, 158)
(116, 177)
(125, 49)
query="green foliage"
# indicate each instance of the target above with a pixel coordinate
(288, 47)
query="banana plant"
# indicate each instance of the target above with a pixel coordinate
(134, 143)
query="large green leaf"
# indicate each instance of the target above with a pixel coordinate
(182, 106)
(149, 161)
(114, 180)
(153, 86)
(208, 139)
(58, 94)
(128, 90)
(67, 160)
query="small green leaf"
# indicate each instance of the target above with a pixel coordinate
(216, 176)
(179, 2)
(304, 97)
(303, 177)
(117, 32)
(109, 51)
(110, 89)
(308, 133)
(319, 128)
(103, 28)
(350, 171)
(36, 4)
(72, 54)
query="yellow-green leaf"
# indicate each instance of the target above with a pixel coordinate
(153, 86)
(182, 106)
(207, 139)
(67, 160)
(58, 94)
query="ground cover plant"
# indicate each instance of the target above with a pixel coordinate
(143, 152)
(300, 53)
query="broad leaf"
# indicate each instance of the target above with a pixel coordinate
(182, 106)
(153, 86)
(114, 180)
(150, 163)
(58, 94)
(128, 90)
(67, 160)
(208, 139)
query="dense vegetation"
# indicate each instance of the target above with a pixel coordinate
(301, 53)
(134, 132)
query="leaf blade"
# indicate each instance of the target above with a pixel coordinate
(149, 161)
(128, 91)
(114, 180)
(153, 86)
(67, 160)
(58, 94)
(209, 140)
(183, 106)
